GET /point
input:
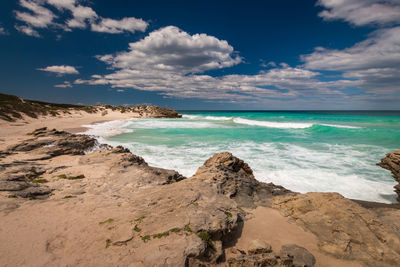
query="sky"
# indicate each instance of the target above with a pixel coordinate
(245, 55)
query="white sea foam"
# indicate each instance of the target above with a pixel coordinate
(108, 129)
(333, 169)
(340, 126)
(169, 123)
(190, 117)
(269, 124)
(211, 118)
(218, 118)
(273, 124)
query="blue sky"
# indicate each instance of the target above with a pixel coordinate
(278, 54)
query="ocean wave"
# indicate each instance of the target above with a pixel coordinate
(339, 126)
(273, 124)
(108, 129)
(347, 169)
(269, 124)
(219, 118)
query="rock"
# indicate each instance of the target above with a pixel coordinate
(264, 259)
(344, 228)
(34, 192)
(235, 179)
(54, 143)
(299, 256)
(392, 163)
(261, 254)
(258, 247)
(155, 112)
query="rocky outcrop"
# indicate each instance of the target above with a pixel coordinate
(53, 143)
(234, 178)
(346, 229)
(156, 112)
(21, 175)
(392, 163)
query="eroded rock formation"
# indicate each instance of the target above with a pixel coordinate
(392, 163)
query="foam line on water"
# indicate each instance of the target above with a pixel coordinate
(340, 126)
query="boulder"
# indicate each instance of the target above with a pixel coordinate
(234, 178)
(258, 247)
(299, 256)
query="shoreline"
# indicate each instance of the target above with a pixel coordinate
(73, 123)
(90, 190)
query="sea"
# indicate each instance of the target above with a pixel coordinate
(304, 151)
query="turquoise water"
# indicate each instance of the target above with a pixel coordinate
(302, 151)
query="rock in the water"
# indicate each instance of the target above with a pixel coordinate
(392, 163)
(299, 256)
(258, 247)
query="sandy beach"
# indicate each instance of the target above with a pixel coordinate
(12, 132)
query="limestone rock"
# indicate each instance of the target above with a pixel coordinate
(261, 254)
(156, 112)
(299, 256)
(258, 247)
(344, 228)
(392, 163)
(235, 179)
(256, 260)
(54, 143)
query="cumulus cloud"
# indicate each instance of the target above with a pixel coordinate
(172, 62)
(362, 12)
(60, 70)
(42, 14)
(170, 49)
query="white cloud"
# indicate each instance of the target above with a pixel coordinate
(374, 61)
(27, 30)
(264, 64)
(37, 14)
(81, 15)
(2, 31)
(380, 50)
(171, 62)
(362, 12)
(66, 84)
(119, 26)
(37, 17)
(60, 4)
(170, 49)
(61, 70)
